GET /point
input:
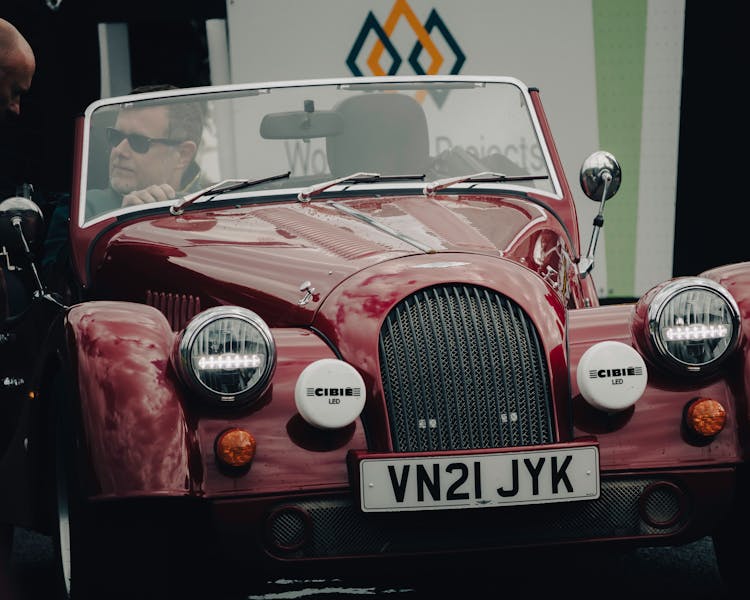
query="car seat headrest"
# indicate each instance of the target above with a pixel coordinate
(383, 133)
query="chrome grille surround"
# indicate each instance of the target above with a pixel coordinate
(463, 367)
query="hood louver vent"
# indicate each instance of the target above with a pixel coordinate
(177, 308)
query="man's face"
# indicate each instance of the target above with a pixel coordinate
(130, 171)
(15, 80)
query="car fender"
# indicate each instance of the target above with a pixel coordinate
(133, 429)
(736, 279)
(650, 433)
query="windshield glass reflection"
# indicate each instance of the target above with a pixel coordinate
(150, 151)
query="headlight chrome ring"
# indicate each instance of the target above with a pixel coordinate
(693, 324)
(226, 354)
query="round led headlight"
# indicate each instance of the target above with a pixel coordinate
(226, 354)
(693, 324)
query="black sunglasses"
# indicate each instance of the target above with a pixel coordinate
(139, 143)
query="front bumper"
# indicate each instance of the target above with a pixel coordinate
(642, 509)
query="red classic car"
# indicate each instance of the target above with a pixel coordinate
(344, 323)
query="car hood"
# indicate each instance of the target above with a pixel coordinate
(260, 256)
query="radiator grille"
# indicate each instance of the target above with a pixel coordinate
(463, 368)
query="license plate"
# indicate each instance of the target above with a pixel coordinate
(479, 481)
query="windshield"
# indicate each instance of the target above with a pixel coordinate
(151, 149)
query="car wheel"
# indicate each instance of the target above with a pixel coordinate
(113, 554)
(94, 545)
(73, 527)
(117, 549)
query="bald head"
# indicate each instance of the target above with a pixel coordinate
(17, 66)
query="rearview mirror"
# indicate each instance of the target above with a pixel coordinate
(301, 125)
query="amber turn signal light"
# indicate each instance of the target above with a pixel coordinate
(705, 417)
(235, 448)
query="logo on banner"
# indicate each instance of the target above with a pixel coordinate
(425, 57)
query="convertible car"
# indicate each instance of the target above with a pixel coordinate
(363, 334)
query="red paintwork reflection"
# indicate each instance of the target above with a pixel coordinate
(145, 435)
(135, 427)
(353, 315)
(291, 455)
(259, 255)
(650, 434)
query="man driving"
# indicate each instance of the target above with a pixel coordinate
(152, 155)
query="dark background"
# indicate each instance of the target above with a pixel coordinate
(711, 220)
(168, 45)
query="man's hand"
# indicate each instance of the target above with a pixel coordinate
(153, 193)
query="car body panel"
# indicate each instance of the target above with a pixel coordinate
(317, 243)
(650, 435)
(453, 302)
(143, 438)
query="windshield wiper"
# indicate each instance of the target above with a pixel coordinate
(485, 177)
(227, 185)
(307, 193)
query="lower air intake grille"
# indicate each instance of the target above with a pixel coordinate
(463, 368)
(338, 527)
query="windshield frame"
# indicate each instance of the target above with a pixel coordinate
(244, 89)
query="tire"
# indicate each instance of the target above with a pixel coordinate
(75, 525)
(114, 554)
(98, 549)
(124, 548)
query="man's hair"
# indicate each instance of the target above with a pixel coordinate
(185, 118)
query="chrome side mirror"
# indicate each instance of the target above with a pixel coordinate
(600, 179)
(600, 176)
